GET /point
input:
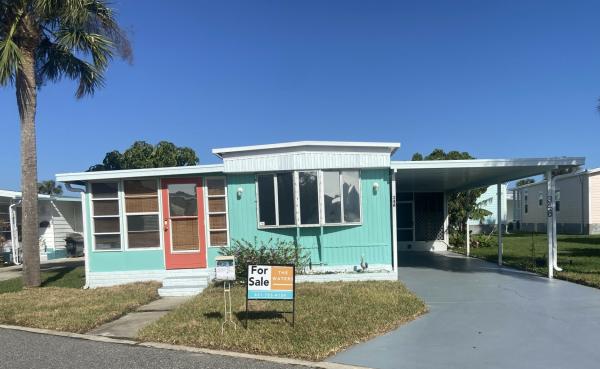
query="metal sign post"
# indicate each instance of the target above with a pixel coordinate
(225, 271)
(228, 311)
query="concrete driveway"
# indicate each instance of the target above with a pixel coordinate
(483, 316)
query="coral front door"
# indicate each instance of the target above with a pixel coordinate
(183, 223)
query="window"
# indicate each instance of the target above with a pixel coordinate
(404, 216)
(540, 199)
(276, 199)
(107, 228)
(526, 205)
(557, 200)
(341, 197)
(308, 188)
(143, 218)
(216, 193)
(308, 198)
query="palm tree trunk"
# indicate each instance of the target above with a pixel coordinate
(27, 101)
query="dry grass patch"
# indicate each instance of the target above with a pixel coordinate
(73, 310)
(329, 318)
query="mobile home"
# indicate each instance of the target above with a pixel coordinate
(343, 202)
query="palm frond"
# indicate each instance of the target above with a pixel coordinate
(55, 61)
(10, 58)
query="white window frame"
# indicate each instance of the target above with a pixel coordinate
(123, 210)
(94, 216)
(207, 211)
(296, 194)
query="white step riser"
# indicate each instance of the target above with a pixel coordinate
(177, 282)
(175, 292)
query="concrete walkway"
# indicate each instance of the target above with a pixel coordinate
(129, 325)
(484, 316)
(16, 271)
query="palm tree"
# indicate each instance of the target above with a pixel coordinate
(49, 187)
(46, 40)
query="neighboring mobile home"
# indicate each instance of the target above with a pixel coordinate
(489, 201)
(577, 204)
(58, 216)
(343, 202)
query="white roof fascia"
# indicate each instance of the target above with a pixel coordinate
(14, 195)
(482, 163)
(138, 173)
(391, 146)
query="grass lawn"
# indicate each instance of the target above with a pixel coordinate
(62, 305)
(64, 277)
(579, 256)
(329, 317)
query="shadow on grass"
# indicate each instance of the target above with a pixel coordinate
(260, 315)
(580, 252)
(213, 315)
(581, 240)
(59, 274)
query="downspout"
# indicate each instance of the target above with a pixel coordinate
(86, 253)
(14, 232)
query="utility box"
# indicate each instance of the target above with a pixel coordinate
(225, 269)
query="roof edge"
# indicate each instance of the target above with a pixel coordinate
(393, 146)
(138, 173)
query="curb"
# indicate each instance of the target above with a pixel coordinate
(196, 350)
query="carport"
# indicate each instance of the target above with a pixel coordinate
(420, 190)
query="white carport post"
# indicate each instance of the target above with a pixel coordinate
(550, 208)
(468, 237)
(499, 221)
(394, 224)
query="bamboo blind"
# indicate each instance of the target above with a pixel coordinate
(216, 204)
(106, 207)
(218, 221)
(215, 186)
(142, 204)
(106, 225)
(144, 239)
(185, 234)
(218, 238)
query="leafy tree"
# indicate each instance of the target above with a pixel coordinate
(461, 205)
(144, 155)
(43, 41)
(49, 188)
(526, 181)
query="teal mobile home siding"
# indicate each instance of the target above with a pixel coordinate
(329, 245)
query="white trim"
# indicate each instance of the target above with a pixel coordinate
(320, 200)
(139, 173)
(394, 223)
(118, 216)
(126, 215)
(208, 213)
(482, 163)
(391, 146)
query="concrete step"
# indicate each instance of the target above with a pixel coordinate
(179, 291)
(191, 281)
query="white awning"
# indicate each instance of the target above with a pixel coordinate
(459, 175)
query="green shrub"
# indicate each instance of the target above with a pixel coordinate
(456, 239)
(269, 252)
(483, 241)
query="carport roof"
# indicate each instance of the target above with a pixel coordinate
(459, 175)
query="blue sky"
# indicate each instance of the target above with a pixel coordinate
(497, 79)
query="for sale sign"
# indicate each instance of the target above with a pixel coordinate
(271, 282)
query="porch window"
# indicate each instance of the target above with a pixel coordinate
(106, 220)
(143, 218)
(217, 211)
(308, 187)
(276, 199)
(341, 197)
(308, 198)
(540, 199)
(557, 199)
